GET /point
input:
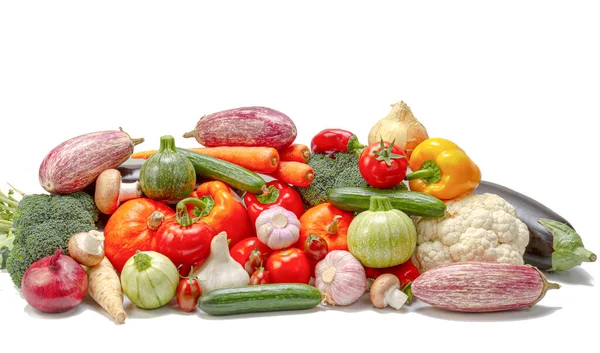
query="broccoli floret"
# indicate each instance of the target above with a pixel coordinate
(44, 223)
(339, 171)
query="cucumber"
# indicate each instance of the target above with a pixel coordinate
(227, 172)
(260, 298)
(357, 199)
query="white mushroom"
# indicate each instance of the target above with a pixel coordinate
(111, 192)
(385, 291)
(86, 247)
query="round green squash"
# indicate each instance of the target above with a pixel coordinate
(149, 279)
(382, 236)
(168, 176)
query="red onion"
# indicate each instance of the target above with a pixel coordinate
(55, 283)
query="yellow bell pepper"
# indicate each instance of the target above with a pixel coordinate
(442, 169)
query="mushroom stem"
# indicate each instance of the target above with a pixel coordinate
(395, 298)
(130, 191)
(91, 242)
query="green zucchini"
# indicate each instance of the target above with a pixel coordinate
(260, 298)
(231, 174)
(357, 199)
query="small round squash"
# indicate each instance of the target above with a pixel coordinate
(167, 176)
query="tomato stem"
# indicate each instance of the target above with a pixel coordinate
(386, 154)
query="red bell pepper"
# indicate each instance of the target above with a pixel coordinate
(279, 194)
(331, 141)
(185, 240)
(406, 272)
(224, 213)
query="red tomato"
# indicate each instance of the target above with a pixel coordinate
(315, 247)
(184, 245)
(188, 293)
(383, 165)
(289, 266)
(242, 250)
(260, 276)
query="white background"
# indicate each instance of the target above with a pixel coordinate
(515, 83)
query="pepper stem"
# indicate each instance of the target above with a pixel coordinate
(430, 173)
(182, 216)
(353, 144)
(380, 204)
(332, 228)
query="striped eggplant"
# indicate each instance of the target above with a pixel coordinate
(553, 243)
(481, 286)
(246, 126)
(77, 162)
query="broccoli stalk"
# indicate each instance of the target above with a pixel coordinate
(8, 206)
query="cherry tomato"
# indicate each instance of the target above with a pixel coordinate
(315, 247)
(383, 165)
(188, 292)
(289, 266)
(260, 276)
(242, 251)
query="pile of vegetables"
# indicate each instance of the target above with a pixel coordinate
(253, 222)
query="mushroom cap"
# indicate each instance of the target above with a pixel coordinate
(108, 188)
(380, 286)
(77, 252)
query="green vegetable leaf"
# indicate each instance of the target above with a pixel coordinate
(407, 289)
(4, 251)
(568, 246)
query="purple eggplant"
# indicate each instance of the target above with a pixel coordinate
(554, 245)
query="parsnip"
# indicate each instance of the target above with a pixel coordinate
(104, 286)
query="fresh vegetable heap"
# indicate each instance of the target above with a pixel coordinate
(254, 222)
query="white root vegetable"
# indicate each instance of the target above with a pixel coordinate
(105, 288)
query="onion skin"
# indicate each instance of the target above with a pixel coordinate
(400, 126)
(54, 283)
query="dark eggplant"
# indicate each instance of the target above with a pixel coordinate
(554, 245)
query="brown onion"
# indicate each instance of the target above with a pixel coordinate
(401, 127)
(54, 283)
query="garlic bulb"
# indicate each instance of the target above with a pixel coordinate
(277, 227)
(220, 270)
(399, 125)
(341, 276)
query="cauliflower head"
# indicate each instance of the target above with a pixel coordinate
(475, 228)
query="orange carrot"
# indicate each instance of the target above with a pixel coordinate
(295, 173)
(295, 153)
(257, 159)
